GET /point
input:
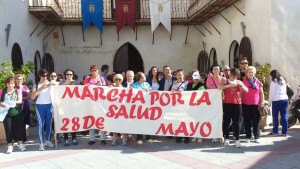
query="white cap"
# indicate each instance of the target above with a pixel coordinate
(196, 75)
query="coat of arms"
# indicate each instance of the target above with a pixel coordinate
(125, 8)
(92, 8)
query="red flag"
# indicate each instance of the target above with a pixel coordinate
(125, 13)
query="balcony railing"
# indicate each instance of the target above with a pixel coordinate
(197, 6)
(70, 10)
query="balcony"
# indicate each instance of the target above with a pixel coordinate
(202, 10)
(62, 12)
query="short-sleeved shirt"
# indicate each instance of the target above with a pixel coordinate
(138, 85)
(232, 95)
(212, 84)
(89, 80)
(44, 97)
(182, 86)
(252, 96)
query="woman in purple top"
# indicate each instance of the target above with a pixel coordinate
(25, 109)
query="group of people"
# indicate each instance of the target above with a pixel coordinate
(242, 96)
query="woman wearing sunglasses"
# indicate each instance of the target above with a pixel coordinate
(95, 79)
(118, 79)
(43, 107)
(69, 81)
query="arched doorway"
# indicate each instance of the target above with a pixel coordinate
(16, 57)
(128, 58)
(203, 66)
(213, 57)
(234, 55)
(48, 63)
(246, 49)
(37, 64)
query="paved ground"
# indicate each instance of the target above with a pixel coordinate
(271, 153)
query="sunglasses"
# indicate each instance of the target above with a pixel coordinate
(117, 79)
(94, 70)
(53, 76)
(19, 79)
(44, 75)
(226, 70)
(69, 74)
(244, 63)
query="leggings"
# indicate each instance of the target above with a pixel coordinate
(44, 116)
(14, 128)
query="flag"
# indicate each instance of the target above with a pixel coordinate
(160, 11)
(125, 13)
(92, 13)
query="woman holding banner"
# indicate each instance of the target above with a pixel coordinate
(178, 86)
(214, 81)
(69, 81)
(95, 79)
(196, 85)
(141, 84)
(232, 105)
(118, 79)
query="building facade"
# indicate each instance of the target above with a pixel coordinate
(263, 31)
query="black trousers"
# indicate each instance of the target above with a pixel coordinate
(251, 116)
(14, 128)
(231, 112)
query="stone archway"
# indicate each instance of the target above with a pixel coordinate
(234, 55)
(212, 57)
(16, 57)
(126, 58)
(48, 63)
(246, 50)
(203, 62)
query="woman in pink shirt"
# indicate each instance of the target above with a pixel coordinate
(232, 105)
(214, 81)
(251, 100)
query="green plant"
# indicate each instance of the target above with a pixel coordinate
(262, 74)
(7, 71)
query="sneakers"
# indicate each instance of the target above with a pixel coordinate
(140, 142)
(215, 140)
(66, 143)
(247, 140)
(194, 139)
(49, 144)
(124, 142)
(114, 142)
(150, 140)
(226, 143)
(41, 148)
(91, 142)
(103, 142)
(74, 142)
(238, 144)
(22, 147)
(199, 140)
(9, 149)
(257, 141)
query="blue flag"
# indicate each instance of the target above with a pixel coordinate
(92, 11)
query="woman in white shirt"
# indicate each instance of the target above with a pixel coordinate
(279, 101)
(43, 108)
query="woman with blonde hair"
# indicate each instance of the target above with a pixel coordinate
(250, 102)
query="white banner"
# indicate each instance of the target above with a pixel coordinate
(122, 110)
(160, 11)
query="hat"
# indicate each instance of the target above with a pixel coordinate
(196, 75)
(93, 67)
(118, 76)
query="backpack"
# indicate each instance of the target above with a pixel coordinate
(289, 91)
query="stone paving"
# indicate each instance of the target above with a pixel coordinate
(271, 153)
